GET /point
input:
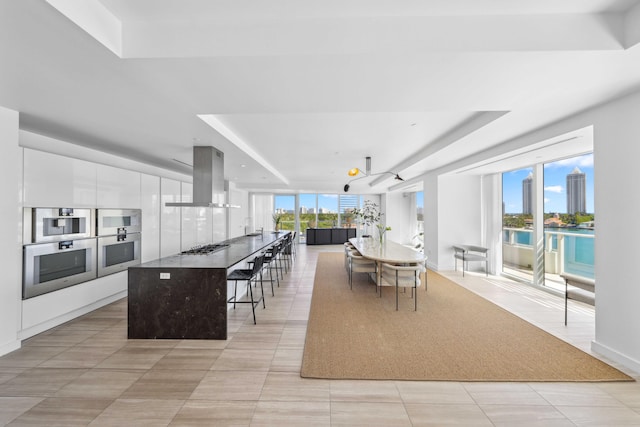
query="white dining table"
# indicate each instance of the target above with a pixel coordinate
(389, 252)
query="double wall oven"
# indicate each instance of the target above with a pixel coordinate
(66, 246)
(118, 239)
(59, 249)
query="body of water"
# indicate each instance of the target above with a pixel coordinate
(579, 253)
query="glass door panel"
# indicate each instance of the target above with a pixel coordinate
(569, 226)
(517, 224)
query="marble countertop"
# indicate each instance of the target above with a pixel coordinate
(239, 249)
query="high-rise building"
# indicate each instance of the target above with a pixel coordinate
(527, 194)
(576, 191)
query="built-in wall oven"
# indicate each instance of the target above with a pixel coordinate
(56, 265)
(117, 253)
(119, 239)
(111, 222)
(56, 224)
(59, 249)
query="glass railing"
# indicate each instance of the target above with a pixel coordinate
(568, 250)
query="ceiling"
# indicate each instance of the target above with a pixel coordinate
(295, 93)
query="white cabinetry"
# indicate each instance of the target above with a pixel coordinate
(51, 180)
(117, 188)
(169, 217)
(150, 205)
(187, 218)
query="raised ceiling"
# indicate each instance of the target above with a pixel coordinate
(296, 93)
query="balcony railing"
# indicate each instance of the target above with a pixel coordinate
(570, 251)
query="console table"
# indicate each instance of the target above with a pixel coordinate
(329, 236)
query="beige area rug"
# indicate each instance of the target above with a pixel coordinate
(455, 335)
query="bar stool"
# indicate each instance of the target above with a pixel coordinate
(248, 275)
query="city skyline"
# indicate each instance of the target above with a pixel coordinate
(555, 191)
(286, 202)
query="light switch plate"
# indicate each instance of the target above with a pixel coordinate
(165, 276)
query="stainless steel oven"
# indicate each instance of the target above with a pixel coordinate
(117, 253)
(56, 265)
(118, 221)
(56, 224)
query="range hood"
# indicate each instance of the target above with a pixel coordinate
(208, 179)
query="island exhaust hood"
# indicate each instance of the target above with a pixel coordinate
(208, 179)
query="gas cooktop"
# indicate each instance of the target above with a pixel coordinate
(205, 249)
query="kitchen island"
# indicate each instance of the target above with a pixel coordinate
(184, 296)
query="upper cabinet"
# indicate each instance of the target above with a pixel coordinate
(117, 188)
(51, 180)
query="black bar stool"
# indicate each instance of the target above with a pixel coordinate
(248, 275)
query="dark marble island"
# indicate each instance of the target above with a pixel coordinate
(184, 296)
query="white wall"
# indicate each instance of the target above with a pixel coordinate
(400, 216)
(459, 216)
(617, 201)
(430, 211)
(10, 215)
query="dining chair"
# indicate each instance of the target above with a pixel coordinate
(403, 276)
(359, 264)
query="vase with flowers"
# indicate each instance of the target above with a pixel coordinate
(382, 229)
(368, 215)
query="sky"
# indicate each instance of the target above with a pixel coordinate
(555, 185)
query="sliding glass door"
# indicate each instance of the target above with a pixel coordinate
(569, 219)
(548, 222)
(517, 224)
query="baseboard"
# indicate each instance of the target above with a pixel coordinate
(616, 356)
(9, 347)
(52, 323)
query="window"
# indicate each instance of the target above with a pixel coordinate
(327, 210)
(561, 215)
(285, 208)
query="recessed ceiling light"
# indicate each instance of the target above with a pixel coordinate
(243, 166)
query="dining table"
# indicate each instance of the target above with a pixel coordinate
(386, 251)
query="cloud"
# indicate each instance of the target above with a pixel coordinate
(547, 200)
(553, 188)
(585, 161)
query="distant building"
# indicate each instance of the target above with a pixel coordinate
(303, 209)
(527, 194)
(576, 192)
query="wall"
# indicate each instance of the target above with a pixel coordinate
(459, 216)
(400, 216)
(431, 234)
(10, 214)
(616, 154)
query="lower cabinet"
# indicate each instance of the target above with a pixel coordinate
(329, 236)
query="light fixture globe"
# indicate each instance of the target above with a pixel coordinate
(353, 172)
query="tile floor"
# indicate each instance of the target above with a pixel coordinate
(86, 372)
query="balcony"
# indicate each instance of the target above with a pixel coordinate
(565, 250)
